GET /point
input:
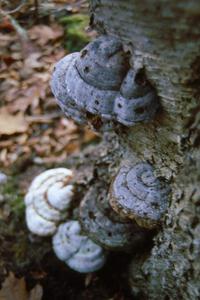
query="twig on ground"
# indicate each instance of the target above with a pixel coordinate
(21, 31)
(15, 9)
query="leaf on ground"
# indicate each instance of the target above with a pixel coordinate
(36, 293)
(31, 123)
(10, 124)
(88, 279)
(43, 33)
(68, 125)
(4, 38)
(89, 136)
(15, 289)
(5, 24)
(28, 97)
(32, 61)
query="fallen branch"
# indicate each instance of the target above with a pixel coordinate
(43, 118)
(21, 31)
(9, 12)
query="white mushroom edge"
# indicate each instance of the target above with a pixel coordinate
(47, 200)
(78, 251)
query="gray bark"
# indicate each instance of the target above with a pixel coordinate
(164, 38)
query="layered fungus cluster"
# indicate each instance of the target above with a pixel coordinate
(99, 83)
(118, 219)
(48, 204)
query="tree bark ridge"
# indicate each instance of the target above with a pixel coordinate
(163, 37)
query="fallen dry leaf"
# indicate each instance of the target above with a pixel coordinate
(43, 34)
(31, 123)
(32, 61)
(5, 37)
(6, 143)
(28, 97)
(88, 279)
(69, 125)
(5, 24)
(3, 155)
(89, 136)
(36, 293)
(11, 94)
(15, 289)
(10, 124)
(43, 118)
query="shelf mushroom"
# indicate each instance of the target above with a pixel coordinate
(137, 194)
(106, 227)
(99, 81)
(47, 200)
(137, 100)
(60, 92)
(88, 81)
(78, 251)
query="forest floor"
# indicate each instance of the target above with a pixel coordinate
(35, 136)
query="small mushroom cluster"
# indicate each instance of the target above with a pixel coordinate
(99, 83)
(116, 220)
(47, 204)
(47, 200)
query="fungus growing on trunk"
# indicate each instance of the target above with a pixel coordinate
(47, 200)
(59, 90)
(77, 250)
(104, 226)
(137, 194)
(137, 100)
(100, 81)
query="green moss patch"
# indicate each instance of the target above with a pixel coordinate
(75, 34)
(15, 200)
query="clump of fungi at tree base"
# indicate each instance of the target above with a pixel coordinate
(98, 83)
(107, 221)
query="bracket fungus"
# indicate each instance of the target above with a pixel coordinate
(137, 194)
(100, 222)
(102, 63)
(58, 87)
(47, 200)
(77, 250)
(137, 100)
(100, 81)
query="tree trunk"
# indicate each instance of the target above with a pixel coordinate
(164, 38)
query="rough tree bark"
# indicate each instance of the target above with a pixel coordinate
(164, 38)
